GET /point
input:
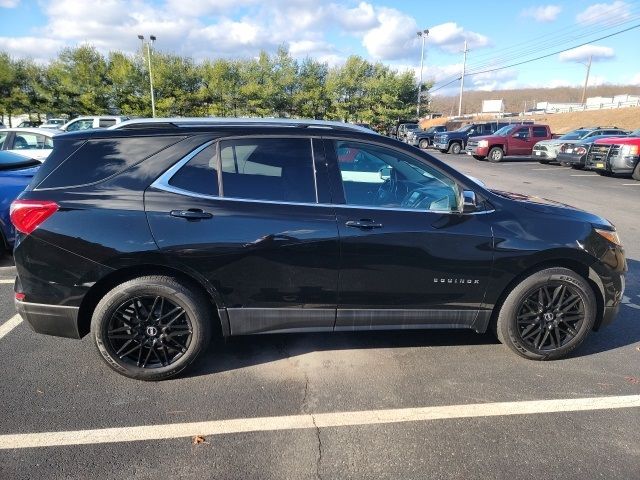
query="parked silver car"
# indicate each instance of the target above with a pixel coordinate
(89, 122)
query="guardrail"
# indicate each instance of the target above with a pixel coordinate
(595, 106)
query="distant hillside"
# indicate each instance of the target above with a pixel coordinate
(515, 99)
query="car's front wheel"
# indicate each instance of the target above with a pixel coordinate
(636, 172)
(496, 154)
(152, 327)
(455, 148)
(547, 315)
(423, 144)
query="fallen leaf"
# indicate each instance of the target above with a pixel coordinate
(198, 440)
(632, 380)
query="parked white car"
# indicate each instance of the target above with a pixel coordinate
(53, 123)
(86, 123)
(37, 143)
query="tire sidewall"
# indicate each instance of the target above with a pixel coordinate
(455, 148)
(177, 294)
(507, 322)
(423, 144)
(492, 152)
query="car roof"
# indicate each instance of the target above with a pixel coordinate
(41, 131)
(182, 122)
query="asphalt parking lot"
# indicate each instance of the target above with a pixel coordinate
(379, 405)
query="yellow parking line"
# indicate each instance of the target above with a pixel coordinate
(312, 421)
(9, 325)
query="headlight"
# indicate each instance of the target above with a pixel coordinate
(630, 150)
(610, 235)
(483, 143)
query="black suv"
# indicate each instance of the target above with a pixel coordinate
(455, 141)
(157, 235)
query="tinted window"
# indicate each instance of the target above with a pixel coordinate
(376, 176)
(268, 169)
(200, 174)
(99, 159)
(106, 122)
(539, 132)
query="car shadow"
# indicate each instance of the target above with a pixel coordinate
(6, 259)
(240, 352)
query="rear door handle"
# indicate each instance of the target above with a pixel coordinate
(364, 224)
(191, 214)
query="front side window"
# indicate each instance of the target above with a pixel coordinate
(375, 176)
(539, 132)
(275, 169)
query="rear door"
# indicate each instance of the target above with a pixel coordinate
(252, 216)
(409, 259)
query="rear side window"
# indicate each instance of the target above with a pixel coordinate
(106, 122)
(99, 159)
(539, 132)
(276, 169)
(200, 174)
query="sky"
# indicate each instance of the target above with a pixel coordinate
(498, 34)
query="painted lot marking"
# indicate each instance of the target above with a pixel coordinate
(631, 184)
(311, 421)
(9, 325)
(7, 280)
(586, 175)
(541, 169)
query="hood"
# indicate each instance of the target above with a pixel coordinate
(551, 207)
(486, 137)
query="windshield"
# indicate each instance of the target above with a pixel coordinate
(575, 135)
(465, 128)
(12, 161)
(411, 126)
(506, 130)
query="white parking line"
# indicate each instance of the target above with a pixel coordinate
(9, 325)
(7, 280)
(631, 184)
(541, 169)
(586, 175)
(310, 421)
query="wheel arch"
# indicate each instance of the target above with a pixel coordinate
(582, 269)
(111, 280)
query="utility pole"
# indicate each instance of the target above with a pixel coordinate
(586, 80)
(152, 38)
(464, 70)
(424, 33)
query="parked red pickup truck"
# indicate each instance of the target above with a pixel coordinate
(516, 139)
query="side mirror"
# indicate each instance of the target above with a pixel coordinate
(469, 201)
(385, 173)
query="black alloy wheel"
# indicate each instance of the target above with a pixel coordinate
(152, 327)
(149, 332)
(547, 315)
(550, 316)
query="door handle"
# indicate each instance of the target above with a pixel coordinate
(191, 214)
(364, 224)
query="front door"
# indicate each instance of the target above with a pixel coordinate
(244, 214)
(409, 259)
(520, 141)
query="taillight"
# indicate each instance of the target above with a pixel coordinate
(27, 215)
(580, 150)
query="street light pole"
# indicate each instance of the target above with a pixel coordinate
(586, 80)
(424, 33)
(464, 71)
(152, 38)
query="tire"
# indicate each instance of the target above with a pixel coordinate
(496, 154)
(455, 148)
(137, 298)
(423, 144)
(522, 335)
(479, 157)
(636, 172)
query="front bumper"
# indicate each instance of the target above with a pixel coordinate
(477, 151)
(57, 320)
(571, 159)
(441, 146)
(623, 165)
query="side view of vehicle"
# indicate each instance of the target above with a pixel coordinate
(424, 138)
(456, 141)
(88, 123)
(161, 233)
(512, 140)
(53, 123)
(546, 151)
(615, 156)
(35, 142)
(574, 155)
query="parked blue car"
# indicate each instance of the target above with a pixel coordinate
(16, 171)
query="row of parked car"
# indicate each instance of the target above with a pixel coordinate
(607, 150)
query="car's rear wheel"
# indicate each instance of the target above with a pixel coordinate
(636, 172)
(423, 144)
(455, 148)
(152, 328)
(547, 315)
(496, 154)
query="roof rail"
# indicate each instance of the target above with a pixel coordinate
(179, 122)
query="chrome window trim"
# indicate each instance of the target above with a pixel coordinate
(163, 180)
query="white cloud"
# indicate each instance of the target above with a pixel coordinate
(543, 13)
(605, 13)
(9, 3)
(393, 38)
(36, 48)
(582, 54)
(450, 37)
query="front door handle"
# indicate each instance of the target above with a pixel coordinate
(191, 214)
(364, 224)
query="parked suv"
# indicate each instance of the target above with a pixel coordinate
(546, 151)
(512, 140)
(456, 140)
(424, 138)
(156, 235)
(619, 156)
(88, 123)
(404, 129)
